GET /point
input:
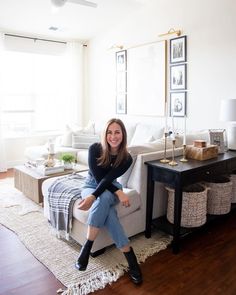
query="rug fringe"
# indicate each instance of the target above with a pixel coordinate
(97, 282)
(146, 252)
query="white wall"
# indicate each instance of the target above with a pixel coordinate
(211, 55)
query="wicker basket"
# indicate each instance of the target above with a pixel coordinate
(233, 179)
(219, 195)
(194, 206)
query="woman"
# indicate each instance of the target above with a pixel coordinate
(107, 161)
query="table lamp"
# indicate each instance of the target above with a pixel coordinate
(228, 114)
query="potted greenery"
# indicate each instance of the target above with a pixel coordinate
(68, 160)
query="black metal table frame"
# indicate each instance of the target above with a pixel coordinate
(179, 176)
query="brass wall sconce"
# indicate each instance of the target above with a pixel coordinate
(116, 47)
(171, 32)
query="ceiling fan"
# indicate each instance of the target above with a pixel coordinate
(59, 3)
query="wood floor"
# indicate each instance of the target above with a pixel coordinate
(206, 265)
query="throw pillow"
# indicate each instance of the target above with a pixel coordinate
(143, 133)
(83, 141)
(67, 137)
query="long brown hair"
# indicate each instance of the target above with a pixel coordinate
(122, 155)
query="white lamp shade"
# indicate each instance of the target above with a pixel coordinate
(228, 110)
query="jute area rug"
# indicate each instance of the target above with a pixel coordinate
(26, 219)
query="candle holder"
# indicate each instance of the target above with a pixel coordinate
(164, 160)
(50, 162)
(184, 154)
(173, 162)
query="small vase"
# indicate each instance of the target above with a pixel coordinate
(68, 165)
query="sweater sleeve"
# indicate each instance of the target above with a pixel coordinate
(105, 180)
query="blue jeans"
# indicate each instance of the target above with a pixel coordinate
(103, 212)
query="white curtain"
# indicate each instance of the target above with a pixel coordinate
(3, 159)
(75, 82)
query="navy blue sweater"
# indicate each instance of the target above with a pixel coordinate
(104, 176)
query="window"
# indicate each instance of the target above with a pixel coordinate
(37, 92)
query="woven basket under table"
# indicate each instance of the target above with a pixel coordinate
(219, 195)
(233, 179)
(194, 206)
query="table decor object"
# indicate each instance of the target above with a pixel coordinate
(173, 162)
(164, 160)
(204, 153)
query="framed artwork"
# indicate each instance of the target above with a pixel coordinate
(218, 137)
(121, 82)
(121, 60)
(146, 79)
(121, 103)
(178, 104)
(178, 77)
(178, 49)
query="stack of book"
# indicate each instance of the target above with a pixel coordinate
(50, 170)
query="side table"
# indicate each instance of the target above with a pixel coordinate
(179, 176)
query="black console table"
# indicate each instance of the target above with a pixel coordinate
(179, 176)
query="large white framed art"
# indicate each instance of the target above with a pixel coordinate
(146, 79)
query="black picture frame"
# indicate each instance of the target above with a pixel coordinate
(178, 77)
(121, 103)
(178, 102)
(121, 82)
(178, 50)
(121, 60)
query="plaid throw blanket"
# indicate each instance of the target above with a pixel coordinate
(62, 195)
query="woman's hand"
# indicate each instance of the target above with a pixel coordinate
(86, 203)
(123, 198)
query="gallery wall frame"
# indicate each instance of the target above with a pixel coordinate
(121, 103)
(178, 77)
(121, 82)
(146, 79)
(121, 60)
(178, 104)
(178, 49)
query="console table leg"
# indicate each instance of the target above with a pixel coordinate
(149, 208)
(177, 218)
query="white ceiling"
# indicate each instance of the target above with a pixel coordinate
(34, 17)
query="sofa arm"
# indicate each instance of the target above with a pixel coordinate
(138, 179)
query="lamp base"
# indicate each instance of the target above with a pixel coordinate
(231, 136)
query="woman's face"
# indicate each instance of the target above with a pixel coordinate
(114, 136)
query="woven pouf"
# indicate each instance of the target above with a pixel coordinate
(233, 179)
(219, 195)
(194, 205)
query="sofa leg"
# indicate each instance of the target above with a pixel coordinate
(98, 252)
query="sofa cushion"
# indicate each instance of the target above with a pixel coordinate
(123, 179)
(154, 146)
(135, 204)
(83, 141)
(146, 133)
(66, 139)
(76, 130)
(82, 156)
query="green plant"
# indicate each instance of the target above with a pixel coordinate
(68, 158)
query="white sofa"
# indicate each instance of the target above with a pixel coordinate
(135, 185)
(76, 140)
(132, 218)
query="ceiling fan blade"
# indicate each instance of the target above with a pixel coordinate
(58, 3)
(84, 2)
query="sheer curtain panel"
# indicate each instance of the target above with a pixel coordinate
(3, 160)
